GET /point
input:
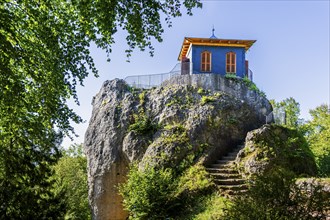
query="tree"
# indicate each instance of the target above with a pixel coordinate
(286, 112)
(71, 177)
(44, 55)
(318, 136)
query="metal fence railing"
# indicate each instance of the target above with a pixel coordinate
(149, 81)
(152, 80)
(250, 75)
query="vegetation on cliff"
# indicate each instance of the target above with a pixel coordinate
(169, 133)
(165, 130)
(274, 156)
(274, 147)
(276, 195)
(164, 192)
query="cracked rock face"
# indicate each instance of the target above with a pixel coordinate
(159, 127)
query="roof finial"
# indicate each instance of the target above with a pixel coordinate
(213, 36)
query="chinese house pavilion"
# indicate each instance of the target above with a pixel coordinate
(214, 55)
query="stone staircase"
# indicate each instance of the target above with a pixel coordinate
(226, 176)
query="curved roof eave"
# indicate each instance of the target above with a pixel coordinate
(213, 42)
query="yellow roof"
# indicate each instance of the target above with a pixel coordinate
(188, 41)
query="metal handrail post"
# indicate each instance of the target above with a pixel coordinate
(149, 81)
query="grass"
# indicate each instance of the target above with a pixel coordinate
(207, 207)
(214, 206)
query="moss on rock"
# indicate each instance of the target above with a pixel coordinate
(274, 146)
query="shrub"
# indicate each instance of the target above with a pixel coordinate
(163, 193)
(194, 179)
(71, 176)
(201, 91)
(317, 132)
(177, 134)
(142, 97)
(207, 99)
(276, 196)
(148, 194)
(252, 86)
(231, 76)
(143, 124)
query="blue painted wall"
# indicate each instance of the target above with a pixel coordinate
(218, 59)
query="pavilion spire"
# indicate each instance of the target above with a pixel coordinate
(213, 36)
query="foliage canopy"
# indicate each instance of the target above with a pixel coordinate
(318, 135)
(71, 180)
(286, 112)
(44, 56)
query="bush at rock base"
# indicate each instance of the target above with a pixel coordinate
(163, 193)
(275, 195)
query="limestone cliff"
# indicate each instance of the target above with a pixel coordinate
(165, 126)
(273, 146)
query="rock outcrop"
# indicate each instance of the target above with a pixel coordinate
(273, 146)
(172, 125)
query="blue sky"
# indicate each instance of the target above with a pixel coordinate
(289, 59)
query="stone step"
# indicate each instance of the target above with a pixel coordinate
(224, 166)
(221, 170)
(232, 154)
(225, 162)
(231, 158)
(229, 181)
(233, 187)
(226, 175)
(233, 192)
(238, 148)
